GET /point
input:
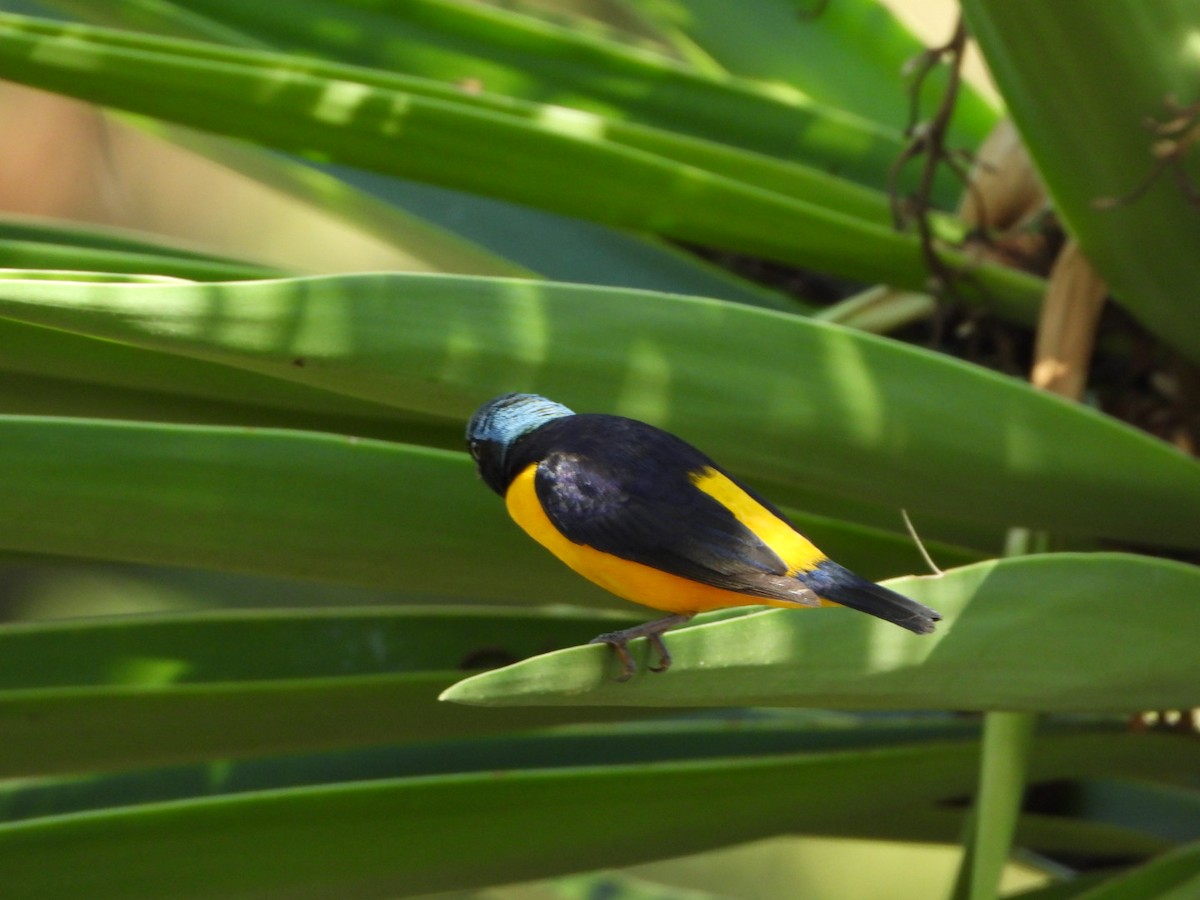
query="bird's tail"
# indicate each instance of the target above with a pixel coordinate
(833, 582)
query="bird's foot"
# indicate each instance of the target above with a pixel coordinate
(620, 646)
(652, 631)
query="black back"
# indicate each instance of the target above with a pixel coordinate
(623, 487)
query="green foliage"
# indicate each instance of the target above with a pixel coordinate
(264, 438)
(293, 842)
(1113, 74)
(994, 651)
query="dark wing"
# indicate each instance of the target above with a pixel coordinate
(626, 491)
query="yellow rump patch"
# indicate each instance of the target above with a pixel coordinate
(797, 552)
(628, 580)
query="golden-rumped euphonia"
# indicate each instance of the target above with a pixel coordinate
(650, 518)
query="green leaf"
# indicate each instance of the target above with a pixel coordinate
(93, 237)
(422, 245)
(444, 231)
(543, 242)
(736, 733)
(38, 255)
(1114, 67)
(1072, 889)
(23, 394)
(850, 54)
(357, 116)
(1055, 632)
(1007, 738)
(130, 692)
(858, 415)
(300, 28)
(356, 511)
(1172, 876)
(1168, 810)
(403, 836)
(569, 249)
(48, 246)
(550, 245)
(514, 56)
(69, 365)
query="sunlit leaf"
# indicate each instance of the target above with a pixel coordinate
(786, 400)
(1056, 632)
(447, 137)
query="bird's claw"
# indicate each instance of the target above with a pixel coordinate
(653, 632)
(620, 646)
(664, 655)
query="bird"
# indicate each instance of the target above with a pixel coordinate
(650, 518)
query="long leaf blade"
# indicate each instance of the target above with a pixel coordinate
(449, 42)
(128, 692)
(343, 114)
(403, 836)
(1050, 633)
(851, 404)
(1114, 68)
(850, 54)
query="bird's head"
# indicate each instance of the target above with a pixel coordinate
(499, 424)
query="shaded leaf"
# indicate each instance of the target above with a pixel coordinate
(134, 692)
(403, 836)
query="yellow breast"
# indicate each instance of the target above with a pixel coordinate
(645, 584)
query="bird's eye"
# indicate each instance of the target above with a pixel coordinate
(473, 448)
